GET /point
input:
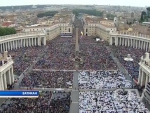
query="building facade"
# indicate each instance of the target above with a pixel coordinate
(144, 70)
(130, 39)
(6, 71)
(94, 26)
(10, 42)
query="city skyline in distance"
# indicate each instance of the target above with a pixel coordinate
(142, 3)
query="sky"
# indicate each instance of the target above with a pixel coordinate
(140, 3)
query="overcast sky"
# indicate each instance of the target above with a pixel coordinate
(142, 3)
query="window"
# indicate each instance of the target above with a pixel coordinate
(86, 30)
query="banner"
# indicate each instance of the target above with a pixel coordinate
(19, 94)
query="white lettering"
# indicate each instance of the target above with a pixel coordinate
(29, 93)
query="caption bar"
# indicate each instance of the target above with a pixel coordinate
(19, 94)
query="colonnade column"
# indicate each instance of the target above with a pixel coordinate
(32, 41)
(110, 41)
(4, 81)
(133, 43)
(120, 41)
(44, 40)
(1, 82)
(24, 43)
(141, 81)
(147, 80)
(140, 76)
(21, 43)
(141, 44)
(116, 41)
(128, 42)
(29, 41)
(8, 45)
(136, 43)
(12, 75)
(125, 42)
(146, 46)
(0, 47)
(35, 42)
(143, 78)
(39, 41)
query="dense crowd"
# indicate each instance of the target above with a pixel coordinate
(110, 102)
(96, 57)
(131, 66)
(48, 73)
(47, 102)
(24, 57)
(60, 102)
(57, 57)
(48, 79)
(103, 80)
(61, 52)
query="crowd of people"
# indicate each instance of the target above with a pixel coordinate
(24, 57)
(103, 80)
(131, 66)
(47, 102)
(61, 52)
(48, 73)
(48, 79)
(110, 102)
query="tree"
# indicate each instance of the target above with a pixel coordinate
(49, 13)
(143, 16)
(90, 12)
(148, 8)
(7, 31)
(110, 16)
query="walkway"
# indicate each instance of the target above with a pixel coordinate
(119, 65)
(66, 70)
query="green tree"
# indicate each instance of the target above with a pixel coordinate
(49, 13)
(90, 12)
(110, 16)
(7, 31)
(143, 16)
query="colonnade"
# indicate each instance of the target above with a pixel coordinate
(21, 42)
(143, 78)
(6, 77)
(130, 41)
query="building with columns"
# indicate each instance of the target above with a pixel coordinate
(130, 39)
(146, 93)
(10, 42)
(6, 71)
(144, 70)
(106, 29)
